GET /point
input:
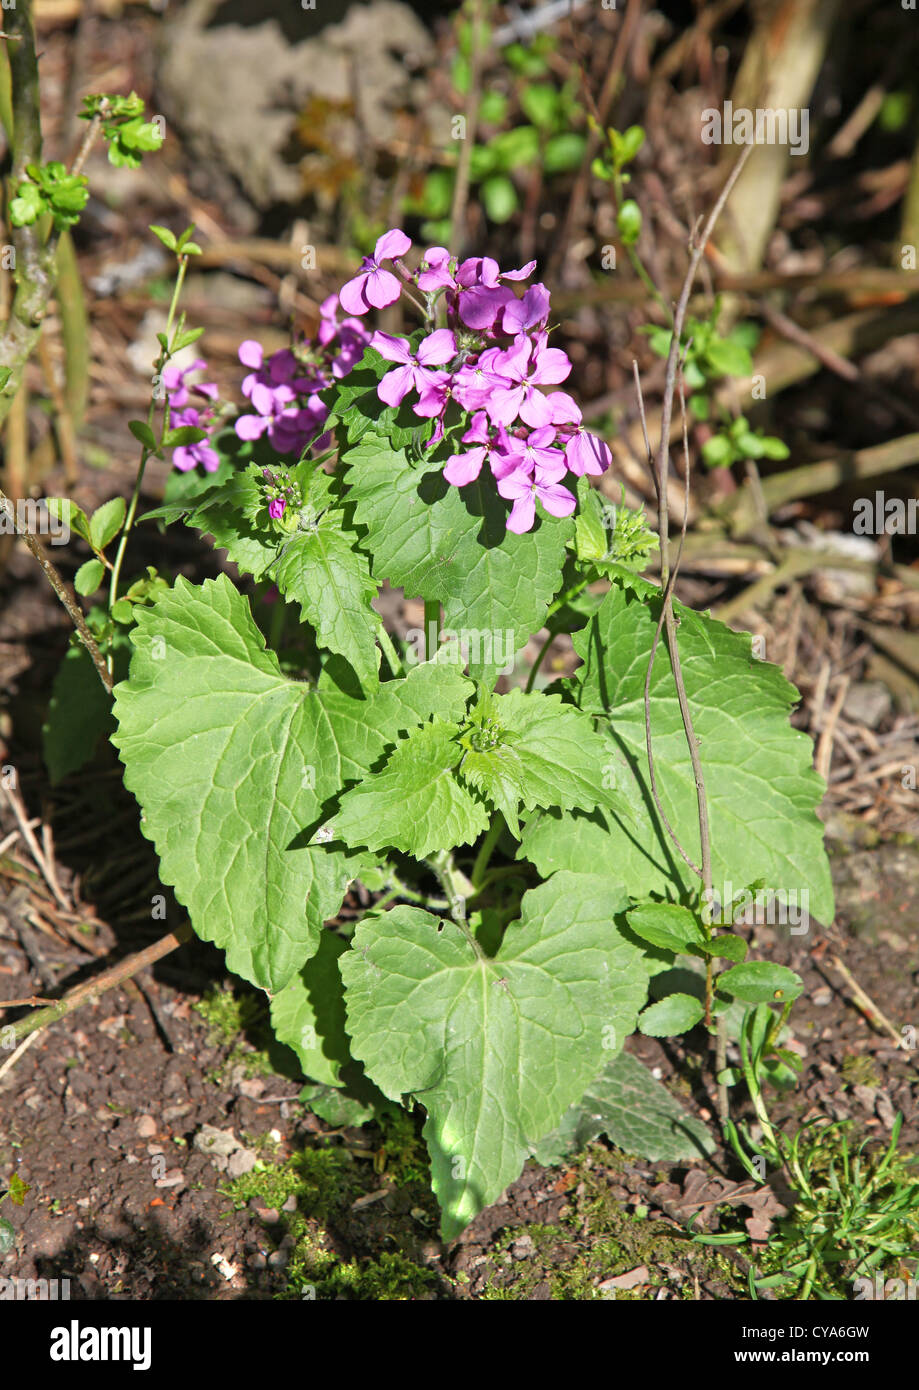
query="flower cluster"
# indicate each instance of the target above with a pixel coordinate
(282, 493)
(201, 417)
(284, 388)
(493, 360)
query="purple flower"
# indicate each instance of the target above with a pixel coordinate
(415, 371)
(532, 311)
(524, 367)
(523, 490)
(180, 394)
(536, 456)
(465, 468)
(480, 295)
(373, 287)
(436, 271)
(187, 456)
(276, 508)
(587, 454)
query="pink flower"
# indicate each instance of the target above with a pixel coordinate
(436, 270)
(415, 372)
(180, 394)
(524, 367)
(536, 456)
(481, 296)
(587, 454)
(465, 468)
(373, 287)
(523, 490)
(186, 456)
(532, 311)
(276, 508)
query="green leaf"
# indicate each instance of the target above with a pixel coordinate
(143, 434)
(415, 803)
(499, 198)
(666, 926)
(760, 982)
(7, 1236)
(186, 337)
(444, 543)
(761, 789)
(183, 434)
(564, 152)
(233, 765)
(322, 571)
(494, 1048)
(88, 577)
(675, 1014)
(539, 102)
(774, 448)
(308, 1014)
(513, 149)
(718, 451)
(106, 522)
(18, 1190)
(27, 206)
(725, 357)
(80, 709)
(635, 1112)
(727, 946)
(67, 511)
(532, 750)
(341, 1110)
(629, 143)
(629, 222)
(164, 235)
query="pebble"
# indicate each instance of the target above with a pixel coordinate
(145, 1126)
(241, 1161)
(216, 1142)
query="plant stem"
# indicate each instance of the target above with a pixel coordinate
(431, 628)
(531, 678)
(389, 651)
(492, 835)
(159, 364)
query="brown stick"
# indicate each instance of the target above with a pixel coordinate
(99, 984)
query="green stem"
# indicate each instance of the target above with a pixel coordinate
(485, 852)
(457, 888)
(431, 628)
(531, 678)
(276, 626)
(635, 260)
(160, 363)
(389, 651)
(183, 266)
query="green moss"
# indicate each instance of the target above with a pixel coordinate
(229, 1013)
(598, 1238)
(403, 1153)
(859, 1070)
(325, 1182)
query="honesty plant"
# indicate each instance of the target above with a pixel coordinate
(529, 894)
